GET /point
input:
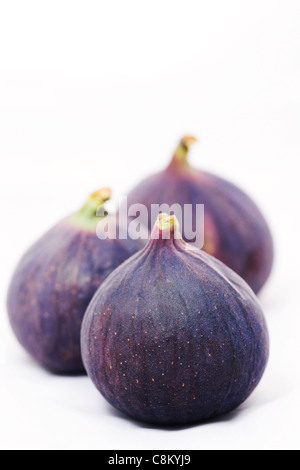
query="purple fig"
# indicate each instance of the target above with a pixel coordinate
(173, 335)
(55, 281)
(235, 230)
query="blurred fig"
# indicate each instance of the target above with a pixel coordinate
(55, 281)
(235, 230)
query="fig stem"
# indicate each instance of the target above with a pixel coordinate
(165, 221)
(183, 148)
(166, 228)
(95, 201)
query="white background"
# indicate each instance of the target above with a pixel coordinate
(96, 93)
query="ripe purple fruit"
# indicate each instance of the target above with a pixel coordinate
(173, 335)
(235, 230)
(55, 281)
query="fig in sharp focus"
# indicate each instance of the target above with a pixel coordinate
(235, 230)
(173, 335)
(55, 281)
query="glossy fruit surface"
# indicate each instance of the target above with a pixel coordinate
(55, 281)
(173, 335)
(235, 230)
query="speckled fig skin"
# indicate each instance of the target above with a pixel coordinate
(173, 336)
(235, 230)
(53, 285)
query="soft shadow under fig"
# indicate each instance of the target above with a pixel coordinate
(173, 427)
(66, 374)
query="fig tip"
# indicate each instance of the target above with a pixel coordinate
(103, 194)
(166, 221)
(187, 140)
(183, 148)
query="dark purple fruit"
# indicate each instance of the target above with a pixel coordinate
(173, 335)
(235, 230)
(55, 281)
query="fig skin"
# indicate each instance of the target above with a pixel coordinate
(173, 336)
(235, 230)
(54, 283)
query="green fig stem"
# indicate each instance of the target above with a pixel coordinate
(95, 201)
(182, 150)
(88, 217)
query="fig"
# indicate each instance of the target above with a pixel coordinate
(235, 231)
(173, 336)
(55, 281)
